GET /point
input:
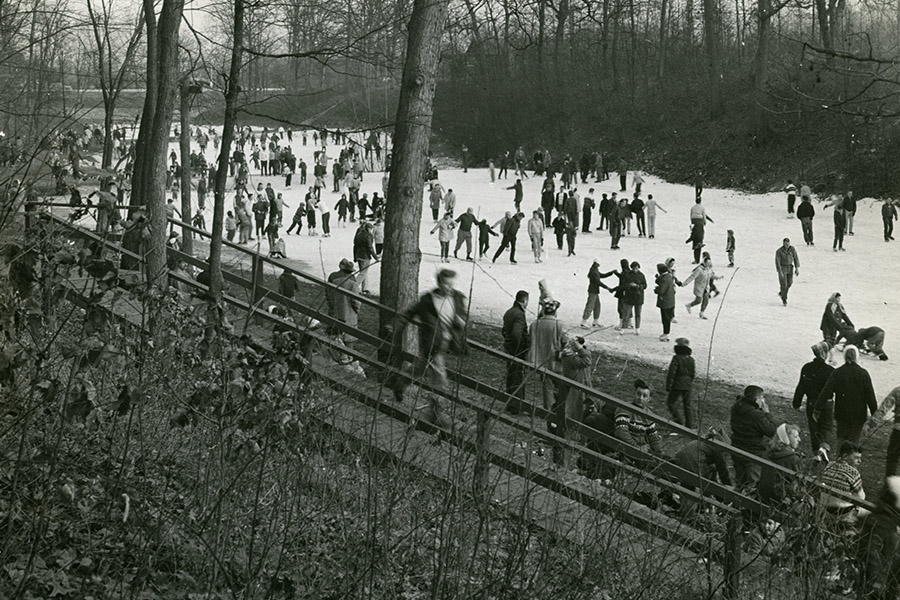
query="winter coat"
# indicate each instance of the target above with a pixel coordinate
(751, 427)
(536, 228)
(701, 277)
(548, 338)
(363, 245)
(775, 486)
(813, 376)
(704, 459)
(341, 306)
(466, 220)
(431, 331)
(806, 210)
(511, 228)
(576, 365)
(635, 284)
(434, 199)
(851, 387)
(515, 332)
(595, 279)
(840, 219)
(834, 319)
(445, 229)
(786, 259)
(665, 291)
(682, 369)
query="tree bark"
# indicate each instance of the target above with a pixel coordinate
(232, 87)
(140, 176)
(184, 148)
(714, 62)
(400, 267)
(761, 63)
(155, 128)
(661, 65)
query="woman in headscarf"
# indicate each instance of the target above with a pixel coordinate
(774, 486)
(834, 320)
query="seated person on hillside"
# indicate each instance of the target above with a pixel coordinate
(626, 425)
(763, 542)
(843, 476)
(775, 486)
(705, 459)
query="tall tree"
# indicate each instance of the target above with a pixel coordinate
(232, 87)
(112, 75)
(149, 182)
(400, 269)
(714, 61)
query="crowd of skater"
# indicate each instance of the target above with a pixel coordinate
(259, 211)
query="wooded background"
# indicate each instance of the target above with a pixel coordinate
(752, 92)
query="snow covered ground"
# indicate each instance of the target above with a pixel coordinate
(749, 337)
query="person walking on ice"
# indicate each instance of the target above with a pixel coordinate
(595, 282)
(730, 247)
(445, 229)
(787, 264)
(465, 220)
(536, 233)
(702, 277)
(791, 190)
(651, 207)
(679, 382)
(806, 212)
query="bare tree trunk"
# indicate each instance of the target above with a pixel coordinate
(689, 24)
(184, 148)
(761, 63)
(232, 86)
(664, 7)
(140, 176)
(400, 269)
(714, 62)
(156, 131)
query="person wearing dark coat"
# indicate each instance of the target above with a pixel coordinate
(806, 212)
(364, 252)
(869, 340)
(595, 282)
(701, 457)
(679, 381)
(510, 231)
(665, 298)
(484, 237)
(559, 230)
(834, 320)
(343, 307)
(813, 376)
(587, 211)
(517, 186)
(548, 189)
(633, 297)
(441, 319)
(840, 222)
(705, 459)
(850, 386)
(776, 487)
(751, 426)
(516, 343)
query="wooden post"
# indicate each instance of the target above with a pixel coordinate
(482, 463)
(732, 563)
